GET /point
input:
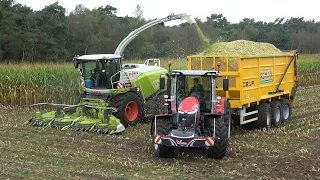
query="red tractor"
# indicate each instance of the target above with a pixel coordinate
(194, 115)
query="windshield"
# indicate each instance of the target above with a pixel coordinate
(97, 73)
(198, 86)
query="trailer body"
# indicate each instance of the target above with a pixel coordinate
(253, 80)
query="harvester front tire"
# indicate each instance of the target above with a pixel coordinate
(264, 116)
(286, 110)
(164, 126)
(126, 104)
(276, 113)
(221, 141)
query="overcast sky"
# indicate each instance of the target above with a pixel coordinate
(233, 10)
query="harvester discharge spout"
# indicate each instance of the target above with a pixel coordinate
(188, 18)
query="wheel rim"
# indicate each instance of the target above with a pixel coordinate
(268, 119)
(131, 111)
(155, 146)
(286, 111)
(278, 114)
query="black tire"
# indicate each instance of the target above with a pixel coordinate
(227, 115)
(121, 101)
(158, 103)
(286, 110)
(276, 113)
(164, 126)
(221, 142)
(264, 116)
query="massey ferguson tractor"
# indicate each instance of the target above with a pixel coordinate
(198, 105)
(115, 94)
(193, 115)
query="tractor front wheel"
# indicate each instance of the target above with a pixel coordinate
(221, 140)
(164, 126)
(129, 107)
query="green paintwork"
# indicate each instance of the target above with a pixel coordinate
(149, 82)
(83, 117)
(119, 91)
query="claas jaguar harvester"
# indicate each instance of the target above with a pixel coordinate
(255, 91)
(115, 94)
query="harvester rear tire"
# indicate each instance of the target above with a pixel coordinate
(221, 141)
(164, 126)
(264, 116)
(121, 102)
(286, 110)
(276, 113)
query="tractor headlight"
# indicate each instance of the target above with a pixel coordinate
(166, 96)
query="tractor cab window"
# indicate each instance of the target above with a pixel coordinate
(99, 73)
(197, 86)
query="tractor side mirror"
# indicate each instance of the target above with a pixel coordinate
(162, 83)
(225, 84)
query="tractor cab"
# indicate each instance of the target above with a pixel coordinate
(99, 71)
(197, 84)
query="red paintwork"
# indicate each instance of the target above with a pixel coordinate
(220, 106)
(190, 104)
(131, 111)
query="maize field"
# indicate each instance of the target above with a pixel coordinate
(23, 84)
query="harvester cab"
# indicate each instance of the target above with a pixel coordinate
(99, 71)
(115, 95)
(194, 117)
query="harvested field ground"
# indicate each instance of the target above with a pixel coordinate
(291, 151)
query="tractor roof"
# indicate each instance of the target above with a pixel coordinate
(99, 56)
(195, 72)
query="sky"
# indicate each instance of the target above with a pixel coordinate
(233, 10)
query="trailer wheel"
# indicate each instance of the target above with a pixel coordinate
(129, 107)
(221, 141)
(164, 126)
(276, 113)
(264, 116)
(286, 110)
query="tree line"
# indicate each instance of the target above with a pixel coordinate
(51, 34)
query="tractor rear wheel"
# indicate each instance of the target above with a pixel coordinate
(129, 107)
(276, 113)
(286, 110)
(227, 116)
(221, 140)
(158, 103)
(164, 126)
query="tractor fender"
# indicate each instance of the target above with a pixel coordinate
(221, 107)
